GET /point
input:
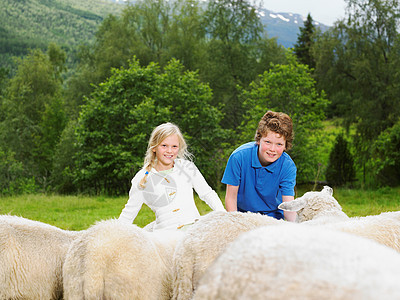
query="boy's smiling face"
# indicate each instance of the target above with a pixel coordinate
(271, 147)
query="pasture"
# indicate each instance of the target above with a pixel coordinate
(79, 212)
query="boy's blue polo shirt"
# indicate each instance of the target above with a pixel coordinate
(260, 188)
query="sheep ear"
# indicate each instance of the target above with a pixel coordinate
(328, 190)
(294, 205)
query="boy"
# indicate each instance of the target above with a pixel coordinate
(260, 175)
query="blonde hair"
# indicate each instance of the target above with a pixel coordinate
(159, 134)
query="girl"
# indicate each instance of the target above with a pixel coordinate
(166, 183)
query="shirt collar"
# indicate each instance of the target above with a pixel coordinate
(255, 162)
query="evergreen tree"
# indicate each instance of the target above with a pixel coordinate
(341, 163)
(302, 48)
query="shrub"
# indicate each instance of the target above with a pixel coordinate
(341, 163)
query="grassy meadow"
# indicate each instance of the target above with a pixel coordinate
(79, 212)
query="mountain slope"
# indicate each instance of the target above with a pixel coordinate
(34, 23)
(26, 24)
(285, 26)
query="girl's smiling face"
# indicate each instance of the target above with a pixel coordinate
(270, 148)
(166, 152)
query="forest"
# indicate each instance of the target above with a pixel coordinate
(77, 120)
(33, 24)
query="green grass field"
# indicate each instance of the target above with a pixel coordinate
(78, 213)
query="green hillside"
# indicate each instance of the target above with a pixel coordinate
(28, 24)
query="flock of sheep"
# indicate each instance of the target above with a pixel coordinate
(325, 255)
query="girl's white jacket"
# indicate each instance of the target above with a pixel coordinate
(170, 196)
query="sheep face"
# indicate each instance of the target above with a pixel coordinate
(312, 204)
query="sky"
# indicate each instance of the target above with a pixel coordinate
(323, 11)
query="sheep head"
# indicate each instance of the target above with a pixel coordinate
(313, 204)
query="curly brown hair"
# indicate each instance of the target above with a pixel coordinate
(278, 122)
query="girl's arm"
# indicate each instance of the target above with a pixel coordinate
(133, 206)
(213, 201)
(205, 192)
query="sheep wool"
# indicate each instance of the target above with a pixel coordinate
(383, 228)
(204, 241)
(115, 260)
(298, 262)
(321, 207)
(32, 254)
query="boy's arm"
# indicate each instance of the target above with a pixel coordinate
(231, 197)
(290, 216)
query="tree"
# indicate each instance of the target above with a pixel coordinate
(63, 167)
(224, 40)
(186, 38)
(386, 157)
(3, 83)
(152, 31)
(34, 116)
(290, 89)
(11, 172)
(57, 58)
(305, 40)
(340, 168)
(268, 53)
(358, 65)
(234, 29)
(112, 48)
(116, 122)
(333, 72)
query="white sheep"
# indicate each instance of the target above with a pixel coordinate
(320, 207)
(31, 258)
(383, 228)
(291, 261)
(113, 260)
(204, 241)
